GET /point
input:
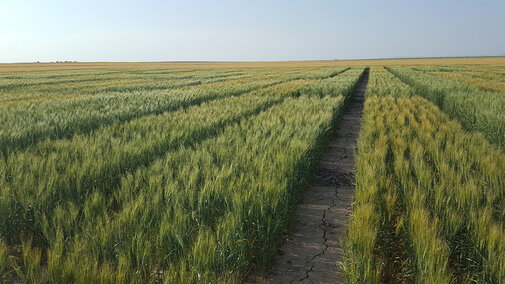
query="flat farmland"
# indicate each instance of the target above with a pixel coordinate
(197, 172)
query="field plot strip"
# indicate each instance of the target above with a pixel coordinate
(312, 249)
(472, 78)
(425, 190)
(97, 162)
(474, 108)
(55, 120)
(24, 90)
(94, 85)
(33, 90)
(429, 199)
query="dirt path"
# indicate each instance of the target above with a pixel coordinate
(312, 248)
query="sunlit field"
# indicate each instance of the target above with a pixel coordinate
(190, 172)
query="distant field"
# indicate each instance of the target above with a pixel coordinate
(240, 65)
(189, 172)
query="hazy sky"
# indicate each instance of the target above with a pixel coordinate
(155, 30)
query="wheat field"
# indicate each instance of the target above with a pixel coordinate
(189, 172)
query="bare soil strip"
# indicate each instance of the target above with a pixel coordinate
(312, 249)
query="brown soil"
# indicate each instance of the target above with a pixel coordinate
(311, 251)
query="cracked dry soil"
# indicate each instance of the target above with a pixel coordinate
(312, 250)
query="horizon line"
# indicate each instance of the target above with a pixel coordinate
(258, 61)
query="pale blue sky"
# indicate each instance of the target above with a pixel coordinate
(154, 30)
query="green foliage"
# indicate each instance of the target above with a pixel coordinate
(474, 108)
(383, 83)
(189, 176)
(5, 265)
(66, 171)
(429, 199)
(81, 113)
(197, 193)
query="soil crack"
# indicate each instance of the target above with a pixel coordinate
(311, 250)
(323, 226)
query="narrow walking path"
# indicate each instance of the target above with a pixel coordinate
(312, 248)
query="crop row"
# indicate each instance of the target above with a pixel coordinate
(19, 80)
(22, 90)
(491, 73)
(487, 78)
(68, 169)
(25, 125)
(28, 92)
(429, 199)
(383, 83)
(475, 109)
(190, 195)
(474, 79)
